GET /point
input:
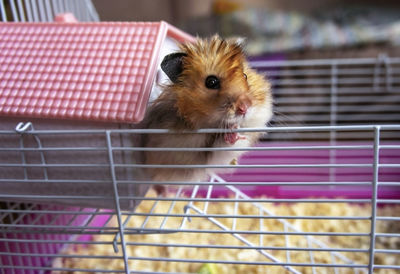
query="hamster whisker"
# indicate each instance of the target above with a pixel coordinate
(280, 117)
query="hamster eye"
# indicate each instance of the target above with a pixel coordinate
(212, 82)
(245, 76)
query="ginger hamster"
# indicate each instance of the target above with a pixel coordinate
(212, 86)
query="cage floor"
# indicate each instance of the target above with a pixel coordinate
(236, 234)
(242, 245)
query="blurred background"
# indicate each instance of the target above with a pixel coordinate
(356, 82)
(299, 29)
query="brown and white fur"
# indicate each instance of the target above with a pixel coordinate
(243, 100)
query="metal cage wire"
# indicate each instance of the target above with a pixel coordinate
(328, 153)
(46, 10)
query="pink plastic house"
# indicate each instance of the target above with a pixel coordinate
(82, 71)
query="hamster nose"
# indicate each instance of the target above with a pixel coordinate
(241, 109)
(242, 105)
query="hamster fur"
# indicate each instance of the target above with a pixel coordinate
(212, 87)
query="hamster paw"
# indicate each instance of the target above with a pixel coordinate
(232, 137)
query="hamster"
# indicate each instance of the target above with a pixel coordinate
(212, 86)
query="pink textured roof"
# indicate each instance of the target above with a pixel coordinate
(83, 71)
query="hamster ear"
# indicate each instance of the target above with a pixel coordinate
(172, 65)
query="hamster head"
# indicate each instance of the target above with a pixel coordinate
(214, 86)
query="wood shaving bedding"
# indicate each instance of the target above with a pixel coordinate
(252, 224)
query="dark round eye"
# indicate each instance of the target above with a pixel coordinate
(212, 82)
(245, 76)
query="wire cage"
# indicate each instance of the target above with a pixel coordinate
(320, 193)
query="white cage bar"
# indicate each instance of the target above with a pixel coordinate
(193, 204)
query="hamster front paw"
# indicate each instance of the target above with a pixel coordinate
(232, 137)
